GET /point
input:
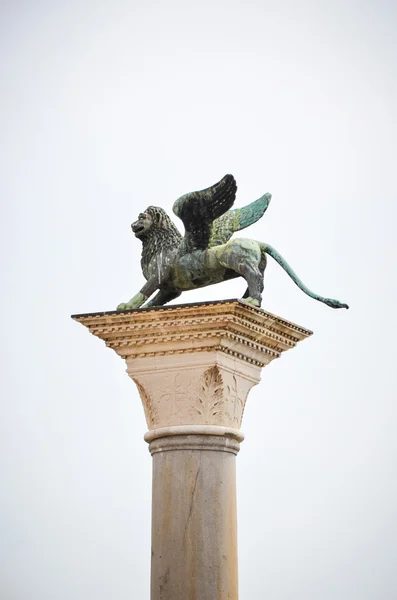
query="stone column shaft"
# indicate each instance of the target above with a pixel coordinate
(194, 527)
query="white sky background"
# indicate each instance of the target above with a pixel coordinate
(107, 107)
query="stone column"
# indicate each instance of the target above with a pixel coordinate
(194, 366)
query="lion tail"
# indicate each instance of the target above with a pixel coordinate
(267, 249)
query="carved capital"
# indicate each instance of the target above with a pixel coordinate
(202, 394)
(195, 364)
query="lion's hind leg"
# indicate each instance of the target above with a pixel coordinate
(245, 258)
(254, 279)
(261, 267)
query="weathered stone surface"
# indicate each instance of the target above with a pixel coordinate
(194, 527)
(194, 366)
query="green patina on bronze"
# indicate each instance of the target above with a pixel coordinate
(206, 254)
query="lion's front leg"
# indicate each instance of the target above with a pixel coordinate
(135, 302)
(163, 297)
(148, 289)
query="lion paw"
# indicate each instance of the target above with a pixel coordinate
(122, 306)
(251, 301)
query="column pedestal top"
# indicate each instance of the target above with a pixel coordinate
(194, 364)
(233, 326)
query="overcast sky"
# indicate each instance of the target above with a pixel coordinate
(107, 107)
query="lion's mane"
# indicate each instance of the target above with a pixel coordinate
(162, 235)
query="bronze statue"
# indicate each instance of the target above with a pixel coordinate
(206, 255)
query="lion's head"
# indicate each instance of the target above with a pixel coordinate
(156, 231)
(152, 218)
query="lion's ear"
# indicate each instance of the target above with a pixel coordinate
(162, 220)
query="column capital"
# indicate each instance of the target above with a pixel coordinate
(194, 364)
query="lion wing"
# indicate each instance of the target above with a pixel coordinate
(237, 219)
(198, 211)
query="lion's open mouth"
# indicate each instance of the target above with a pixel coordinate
(138, 229)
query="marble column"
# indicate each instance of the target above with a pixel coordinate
(194, 366)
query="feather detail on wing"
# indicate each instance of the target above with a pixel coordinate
(198, 211)
(237, 219)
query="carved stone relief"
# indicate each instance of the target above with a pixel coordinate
(211, 396)
(207, 405)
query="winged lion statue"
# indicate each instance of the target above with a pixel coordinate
(207, 254)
